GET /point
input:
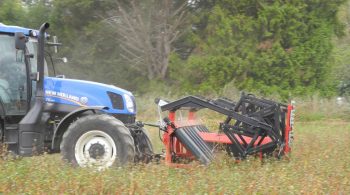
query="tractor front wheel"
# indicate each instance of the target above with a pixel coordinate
(97, 141)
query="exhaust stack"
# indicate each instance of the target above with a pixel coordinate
(31, 127)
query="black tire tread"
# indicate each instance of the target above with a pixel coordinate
(123, 133)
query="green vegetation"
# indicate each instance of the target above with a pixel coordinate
(267, 46)
(319, 164)
(283, 48)
(289, 49)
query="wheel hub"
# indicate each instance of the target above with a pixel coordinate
(95, 148)
(96, 151)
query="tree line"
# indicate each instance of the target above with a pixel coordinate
(200, 46)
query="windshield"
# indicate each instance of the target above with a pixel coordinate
(13, 77)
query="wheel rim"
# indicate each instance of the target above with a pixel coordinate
(95, 148)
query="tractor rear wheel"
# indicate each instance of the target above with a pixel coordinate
(97, 141)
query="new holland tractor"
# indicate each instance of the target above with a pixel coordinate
(88, 122)
(94, 124)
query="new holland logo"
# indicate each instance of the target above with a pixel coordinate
(84, 100)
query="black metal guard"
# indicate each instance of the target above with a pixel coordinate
(249, 117)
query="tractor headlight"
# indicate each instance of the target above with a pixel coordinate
(129, 103)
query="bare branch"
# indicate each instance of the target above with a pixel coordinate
(146, 30)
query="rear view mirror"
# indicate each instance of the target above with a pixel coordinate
(64, 59)
(20, 41)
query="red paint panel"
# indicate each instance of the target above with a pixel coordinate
(222, 138)
(288, 129)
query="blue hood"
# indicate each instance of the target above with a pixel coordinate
(85, 93)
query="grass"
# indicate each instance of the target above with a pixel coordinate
(315, 108)
(319, 164)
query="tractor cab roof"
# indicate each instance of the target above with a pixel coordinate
(13, 29)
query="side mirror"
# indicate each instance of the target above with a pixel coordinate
(65, 60)
(20, 41)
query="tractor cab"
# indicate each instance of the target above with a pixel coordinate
(23, 69)
(16, 88)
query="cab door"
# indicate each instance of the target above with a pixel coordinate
(13, 78)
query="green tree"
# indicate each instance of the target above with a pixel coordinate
(342, 58)
(37, 12)
(12, 12)
(266, 46)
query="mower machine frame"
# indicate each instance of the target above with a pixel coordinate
(252, 126)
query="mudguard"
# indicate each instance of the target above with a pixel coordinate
(68, 119)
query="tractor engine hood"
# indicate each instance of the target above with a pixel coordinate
(82, 93)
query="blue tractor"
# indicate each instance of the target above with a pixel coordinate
(89, 123)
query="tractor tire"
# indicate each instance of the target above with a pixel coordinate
(99, 141)
(143, 147)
